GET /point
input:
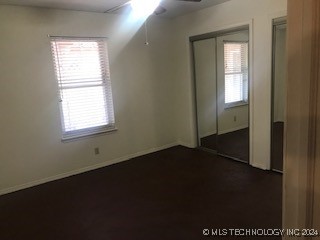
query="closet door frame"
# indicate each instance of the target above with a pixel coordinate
(275, 22)
(214, 34)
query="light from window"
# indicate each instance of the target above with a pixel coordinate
(236, 73)
(144, 8)
(83, 75)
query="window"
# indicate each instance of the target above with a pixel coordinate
(82, 71)
(236, 73)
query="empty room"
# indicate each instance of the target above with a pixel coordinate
(159, 119)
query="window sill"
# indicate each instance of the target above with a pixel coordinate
(87, 135)
(235, 104)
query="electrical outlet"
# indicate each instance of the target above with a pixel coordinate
(96, 151)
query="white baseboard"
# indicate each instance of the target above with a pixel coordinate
(188, 145)
(85, 169)
(259, 166)
(208, 134)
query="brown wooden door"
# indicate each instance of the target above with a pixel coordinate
(301, 199)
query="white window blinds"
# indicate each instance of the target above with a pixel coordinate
(83, 75)
(236, 72)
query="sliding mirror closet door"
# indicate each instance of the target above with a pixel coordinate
(205, 84)
(278, 94)
(233, 95)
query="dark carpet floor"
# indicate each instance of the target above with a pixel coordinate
(209, 142)
(234, 144)
(277, 146)
(171, 194)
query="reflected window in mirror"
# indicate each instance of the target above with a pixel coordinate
(236, 73)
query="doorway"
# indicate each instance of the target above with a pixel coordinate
(221, 74)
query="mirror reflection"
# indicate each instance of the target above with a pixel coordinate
(278, 95)
(233, 110)
(205, 71)
(221, 66)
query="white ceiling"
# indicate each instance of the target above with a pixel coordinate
(174, 8)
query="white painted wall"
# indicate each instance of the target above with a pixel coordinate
(30, 145)
(152, 86)
(226, 15)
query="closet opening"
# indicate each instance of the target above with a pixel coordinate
(222, 85)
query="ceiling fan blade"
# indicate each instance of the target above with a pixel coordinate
(159, 10)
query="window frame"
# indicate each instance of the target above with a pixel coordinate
(69, 135)
(241, 102)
